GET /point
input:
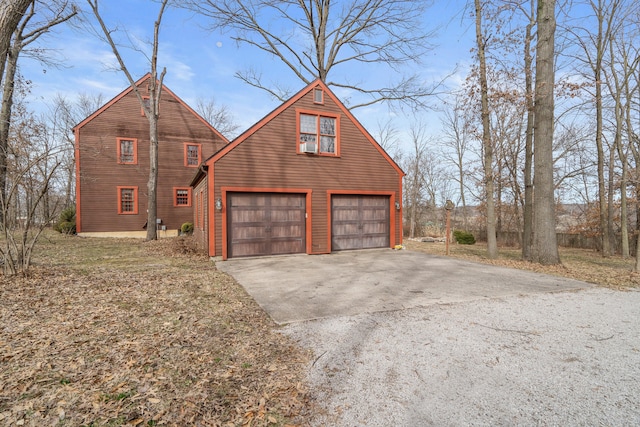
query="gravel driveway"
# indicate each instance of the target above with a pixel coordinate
(565, 359)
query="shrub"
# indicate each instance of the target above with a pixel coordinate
(67, 221)
(187, 228)
(464, 237)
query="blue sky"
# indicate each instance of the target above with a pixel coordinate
(201, 64)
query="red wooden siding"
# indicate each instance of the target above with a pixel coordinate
(267, 157)
(100, 173)
(200, 219)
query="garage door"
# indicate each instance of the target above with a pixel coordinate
(265, 224)
(359, 222)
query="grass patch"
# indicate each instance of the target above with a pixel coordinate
(119, 331)
(580, 264)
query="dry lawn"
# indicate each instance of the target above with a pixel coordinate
(580, 264)
(110, 332)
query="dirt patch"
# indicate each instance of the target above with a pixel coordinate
(108, 332)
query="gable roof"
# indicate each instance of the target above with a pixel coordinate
(317, 83)
(129, 89)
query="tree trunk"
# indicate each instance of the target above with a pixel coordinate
(492, 244)
(611, 189)
(527, 214)
(150, 110)
(618, 84)
(602, 192)
(545, 246)
(152, 184)
(462, 199)
(5, 119)
(11, 12)
(624, 226)
(634, 141)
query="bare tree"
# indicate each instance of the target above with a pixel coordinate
(527, 211)
(11, 13)
(26, 210)
(218, 116)
(386, 134)
(545, 246)
(151, 108)
(414, 181)
(619, 75)
(63, 115)
(27, 32)
(593, 48)
(314, 38)
(456, 142)
(487, 145)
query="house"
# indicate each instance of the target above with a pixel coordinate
(307, 178)
(112, 164)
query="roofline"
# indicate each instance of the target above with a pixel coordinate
(110, 103)
(359, 125)
(129, 89)
(266, 119)
(197, 177)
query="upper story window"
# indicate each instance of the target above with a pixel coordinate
(128, 200)
(147, 104)
(192, 154)
(318, 133)
(318, 96)
(127, 151)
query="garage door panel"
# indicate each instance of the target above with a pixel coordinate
(247, 248)
(287, 216)
(374, 228)
(371, 201)
(248, 200)
(374, 241)
(359, 222)
(287, 246)
(287, 232)
(265, 224)
(374, 215)
(247, 215)
(247, 232)
(341, 201)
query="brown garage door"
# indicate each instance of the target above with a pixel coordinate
(359, 222)
(265, 224)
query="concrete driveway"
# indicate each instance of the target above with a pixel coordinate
(305, 287)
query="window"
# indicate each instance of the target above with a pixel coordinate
(181, 196)
(318, 129)
(127, 151)
(318, 96)
(192, 153)
(147, 104)
(128, 200)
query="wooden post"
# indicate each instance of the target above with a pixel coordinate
(448, 206)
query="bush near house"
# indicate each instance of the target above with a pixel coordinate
(67, 221)
(187, 228)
